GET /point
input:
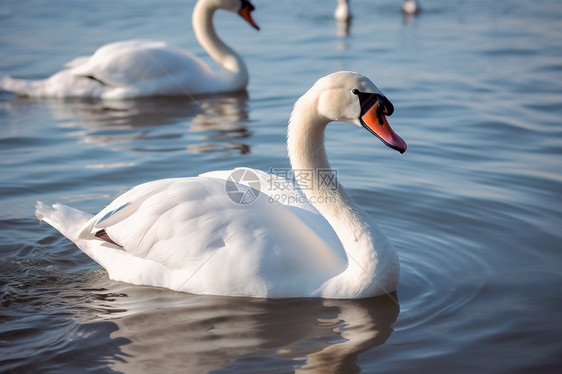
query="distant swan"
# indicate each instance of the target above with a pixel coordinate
(137, 68)
(342, 12)
(410, 7)
(249, 233)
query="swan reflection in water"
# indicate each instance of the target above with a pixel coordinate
(343, 27)
(221, 119)
(170, 331)
(159, 124)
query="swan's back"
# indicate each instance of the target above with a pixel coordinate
(128, 62)
(188, 235)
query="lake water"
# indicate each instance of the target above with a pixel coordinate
(473, 207)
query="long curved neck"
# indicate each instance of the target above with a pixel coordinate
(224, 55)
(305, 142)
(367, 248)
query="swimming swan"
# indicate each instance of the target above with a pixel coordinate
(342, 12)
(249, 233)
(137, 68)
(410, 7)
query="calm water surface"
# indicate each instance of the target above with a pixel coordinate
(473, 207)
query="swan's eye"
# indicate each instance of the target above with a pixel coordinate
(355, 91)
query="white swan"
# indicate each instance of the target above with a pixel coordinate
(342, 12)
(410, 7)
(137, 68)
(211, 235)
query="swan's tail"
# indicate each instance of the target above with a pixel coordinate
(22, 87)
(120, 264)
(68, 221)
(63, 84)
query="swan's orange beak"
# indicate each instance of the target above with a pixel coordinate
(375, 121)
(246, 13)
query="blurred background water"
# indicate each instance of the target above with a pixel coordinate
(473, 207)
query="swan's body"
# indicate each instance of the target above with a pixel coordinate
(137, 68)
(188, 234)
(342, 12)
(410, 7)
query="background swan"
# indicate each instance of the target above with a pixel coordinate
(138, 68)
(410, 7)
(187, 234)
(342, 12)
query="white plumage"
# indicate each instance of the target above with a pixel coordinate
(189, 234)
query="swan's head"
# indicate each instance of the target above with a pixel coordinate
(410, 7)
(246, 12)
(350, 97)
(243, 7)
